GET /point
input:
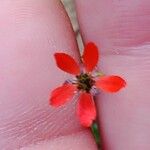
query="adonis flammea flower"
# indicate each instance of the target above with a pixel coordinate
(86, 83)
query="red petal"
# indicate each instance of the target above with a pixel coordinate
(62, 94)
(90, 56)
(67, 63)
(110, 83)
(86, 109)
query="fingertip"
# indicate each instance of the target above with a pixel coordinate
(78, 141)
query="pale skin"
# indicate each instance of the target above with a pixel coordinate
(31, 31)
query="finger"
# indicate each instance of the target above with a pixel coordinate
(31, 31)
(121, 30)
(78, 141)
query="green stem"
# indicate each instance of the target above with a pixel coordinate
(96, 134)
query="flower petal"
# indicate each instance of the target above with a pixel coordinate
(67, 63)
(90, 56)
(110, 83)
(86, 109)
(62, 94)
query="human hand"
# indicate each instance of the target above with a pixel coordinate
(121, 29)
(31, 32)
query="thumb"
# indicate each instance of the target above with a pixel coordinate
(121, 29)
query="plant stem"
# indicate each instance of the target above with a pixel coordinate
(96, 134)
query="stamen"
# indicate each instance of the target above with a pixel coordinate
(94, 91)
(85, 82)
(68, 81)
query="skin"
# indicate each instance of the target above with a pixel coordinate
(31, 31)
(121, 29)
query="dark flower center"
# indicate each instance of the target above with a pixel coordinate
(85, 82)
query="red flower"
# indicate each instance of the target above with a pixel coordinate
(86, 83)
